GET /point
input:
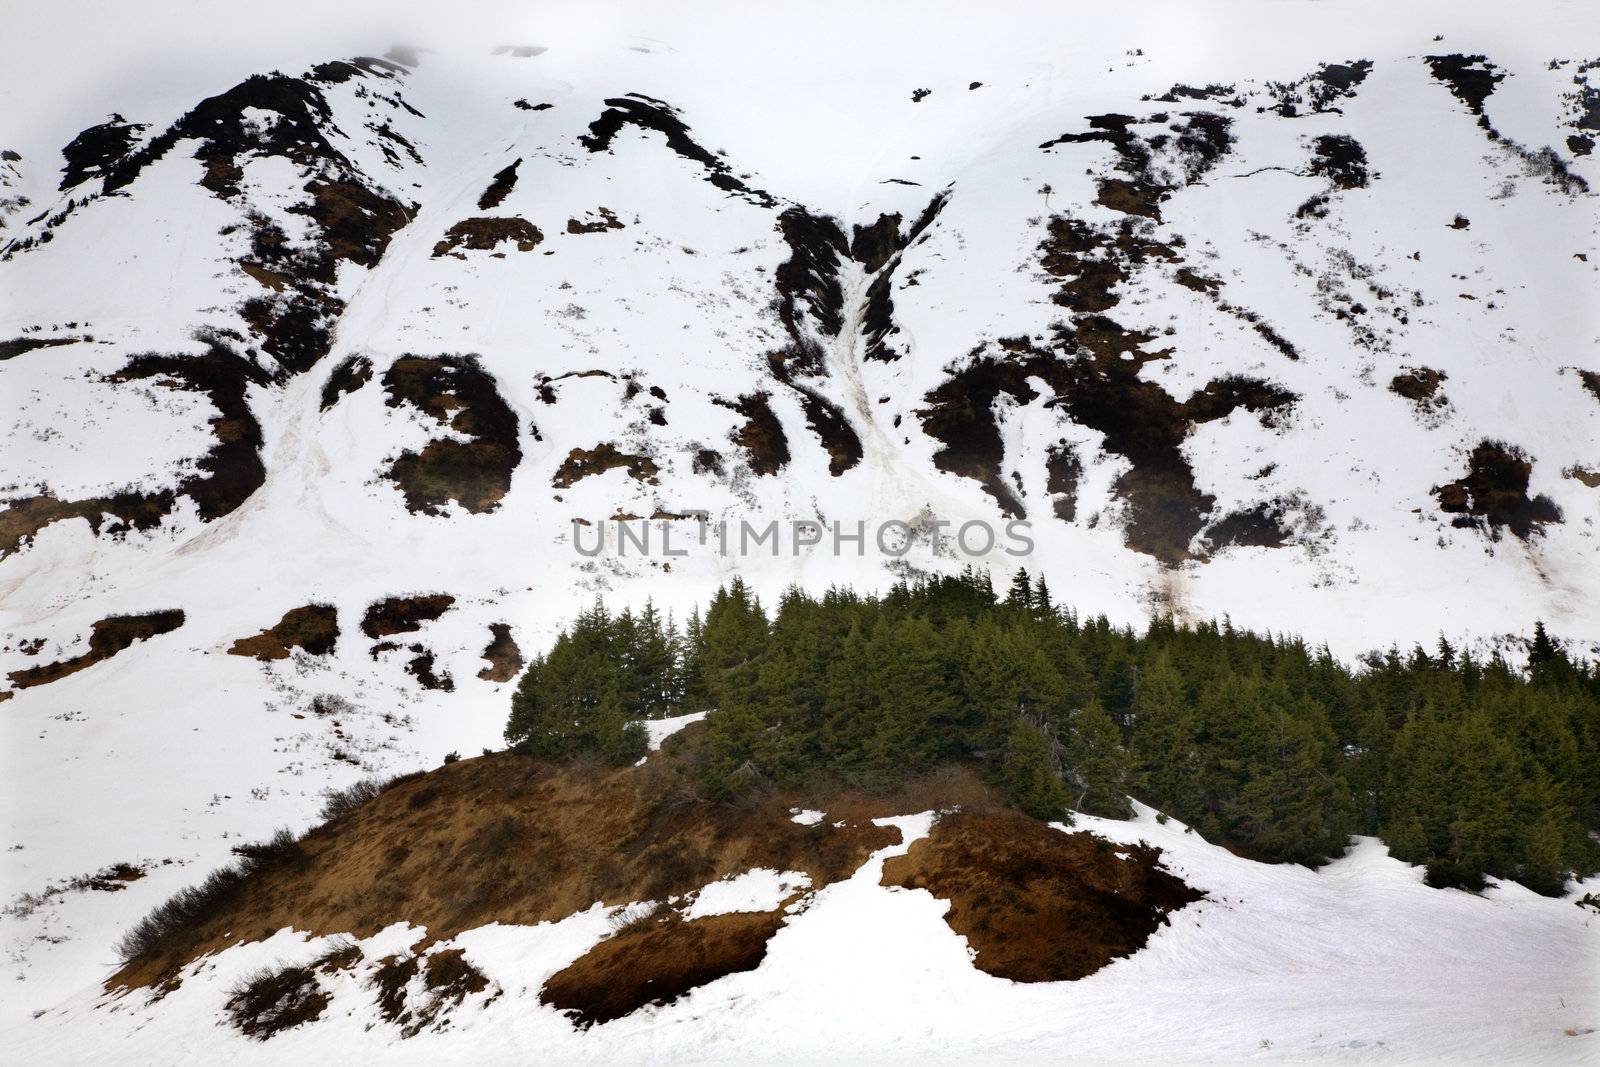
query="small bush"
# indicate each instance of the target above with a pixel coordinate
(276, 999)
(634, 918)
(451, 757)
(281, 847)
(1443, 874)
(183, 910)
(342, 802)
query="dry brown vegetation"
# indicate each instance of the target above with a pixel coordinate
(455, 391)
(108, 637)
(509, 839)
(1036, 904)
(484, 234)
(403, 614)
(447, 978)
(313, 628)
(502, 655)
(504, 838)
(584, 463)
(762, 437)
(1420, 385)
(275, 1000)
(1493, 494)
(657, 961)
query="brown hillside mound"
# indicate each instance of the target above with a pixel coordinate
(655, 962)
(1037, 904)
(509, 839)
(313, 628)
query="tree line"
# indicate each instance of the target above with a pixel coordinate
(1471, 767)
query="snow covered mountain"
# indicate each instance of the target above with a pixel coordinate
(317, 383)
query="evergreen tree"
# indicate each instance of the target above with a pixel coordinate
(1467, 766)
(1044, 608)
(1020, 596)
(1099, 767)
(1029, 774)
(1164, 747)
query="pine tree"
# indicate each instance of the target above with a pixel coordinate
(1044, 607)
(1020, 596)
(1100, 768)
(1029, 774)
(1164, 741)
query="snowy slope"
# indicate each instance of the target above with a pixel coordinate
(262, 487)
(1357, 962)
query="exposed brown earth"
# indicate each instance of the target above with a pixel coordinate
(404, 614)
(504, 181)
(1586, 477)
(584, 463)
(1420, 385)
(765, 444)
(606, 221)
(504, 838)
(484, 234)
(108, 637)
(502, 655)
(455, 391)
(1039, 905)
(313, 629)
(1493, 494)
(508, 839)
(225, 476)
(346, 378)
(18, 346)
(1093, 366)
(657, 962)
(117, 514)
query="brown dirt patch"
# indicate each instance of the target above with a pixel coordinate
(22, 520)
(21, 345)
(484, 234)
(1493, 495)
(1132, 198)
(606, 221)
(1587, 477)
(313, 628)
(584, 463)
(503, 655)
(108, 637)
(504, 838)
(346, 378)
(1039, 905)
(1420, 385)
(658, 962)
(504, 181)
(404, 614)
(454, 391)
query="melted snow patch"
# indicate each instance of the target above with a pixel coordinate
(761, 889)
(805, 817)
(661, 729)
